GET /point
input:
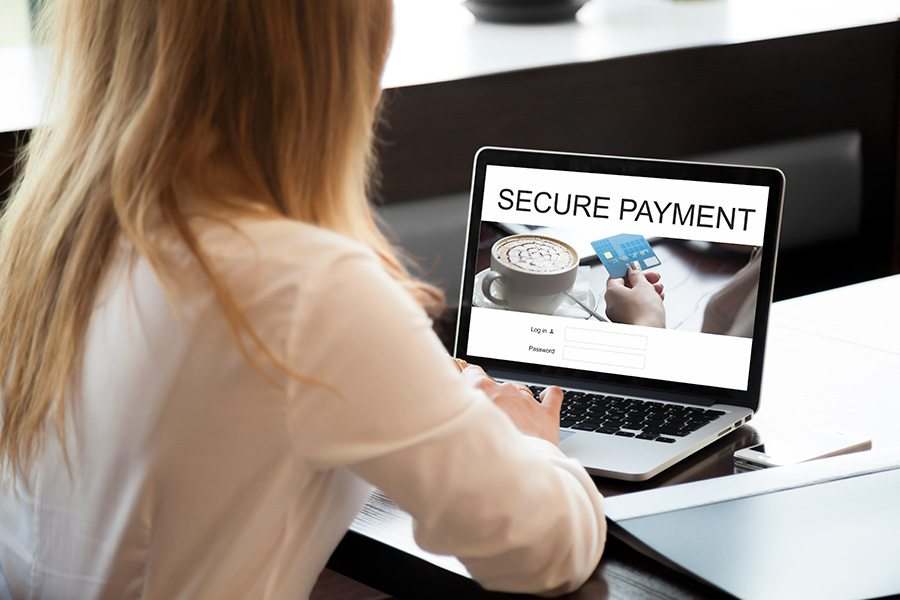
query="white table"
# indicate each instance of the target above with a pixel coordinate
(23, 87)
(833, 362)
(439, 40)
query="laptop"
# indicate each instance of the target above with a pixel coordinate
(658, 345)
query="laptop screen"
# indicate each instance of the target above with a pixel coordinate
(631, 275)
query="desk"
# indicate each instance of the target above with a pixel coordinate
(439, 40)
(25, 70)
(833, 360)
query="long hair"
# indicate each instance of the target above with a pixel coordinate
(282, 93)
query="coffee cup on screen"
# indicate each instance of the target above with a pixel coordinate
(535, 272)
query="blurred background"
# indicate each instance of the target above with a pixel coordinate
(15, 27)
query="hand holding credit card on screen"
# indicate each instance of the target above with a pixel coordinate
(618, 251)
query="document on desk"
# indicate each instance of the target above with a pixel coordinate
(824, 529)
(382, 520)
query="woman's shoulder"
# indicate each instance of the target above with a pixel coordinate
(254, 253)
(282, 254)
(279, 240)
(286, 267)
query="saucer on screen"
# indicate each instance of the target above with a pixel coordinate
(567, 307)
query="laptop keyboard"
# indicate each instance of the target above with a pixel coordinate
(630, 417)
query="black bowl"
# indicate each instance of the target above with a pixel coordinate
(524, 11)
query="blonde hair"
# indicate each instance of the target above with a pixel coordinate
(284, 93)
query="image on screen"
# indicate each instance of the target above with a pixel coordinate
(628, 275)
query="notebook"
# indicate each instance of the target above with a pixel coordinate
(826, 529)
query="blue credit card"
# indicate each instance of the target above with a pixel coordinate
(618, 251)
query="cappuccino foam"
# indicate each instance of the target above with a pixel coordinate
(535, 254)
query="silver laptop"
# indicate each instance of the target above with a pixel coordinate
(658, 338)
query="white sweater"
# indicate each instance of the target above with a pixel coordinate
(195, 476)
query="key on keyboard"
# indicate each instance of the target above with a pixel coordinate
(630, 417)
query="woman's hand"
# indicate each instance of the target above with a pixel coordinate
(637, 299)
(532, 417)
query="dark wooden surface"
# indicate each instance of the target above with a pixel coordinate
(334, 586)
(9, 146)
(622, 573)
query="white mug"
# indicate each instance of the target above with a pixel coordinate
(535, 271)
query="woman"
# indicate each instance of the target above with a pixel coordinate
(211, 352)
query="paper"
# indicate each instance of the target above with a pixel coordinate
(732, 487)
(384, 521)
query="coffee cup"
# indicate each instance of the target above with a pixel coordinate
(535, 271)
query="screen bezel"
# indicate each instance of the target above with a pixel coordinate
(642, 167)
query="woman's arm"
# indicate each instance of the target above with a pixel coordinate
(518, 513)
